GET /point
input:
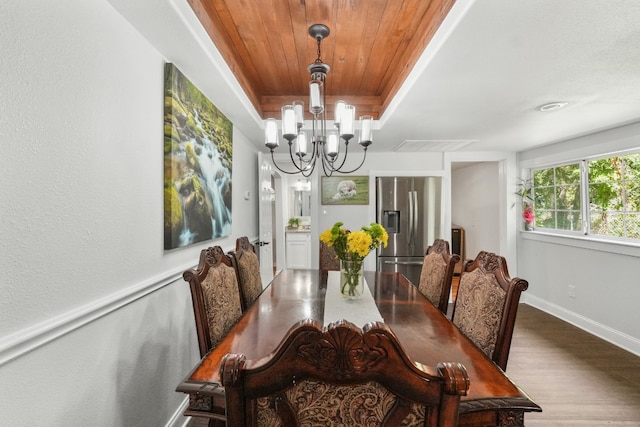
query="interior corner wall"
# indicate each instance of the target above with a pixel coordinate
(96, 324)
(603, 274)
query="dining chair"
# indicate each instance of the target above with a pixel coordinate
(248, 266)
(340, 376)
(486, 305)
(215, 294)
(328, 258)
(437, 274)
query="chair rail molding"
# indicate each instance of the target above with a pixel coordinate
(32, 337)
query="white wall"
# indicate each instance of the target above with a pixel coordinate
(475, 202)
(605, 275)
(96, 325)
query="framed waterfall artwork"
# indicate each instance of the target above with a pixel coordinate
(198, 154)
(345, 190)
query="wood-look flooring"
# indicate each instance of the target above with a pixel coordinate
(578, 379)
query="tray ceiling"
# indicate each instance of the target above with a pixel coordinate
(372, 47)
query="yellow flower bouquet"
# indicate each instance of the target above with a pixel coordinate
(351, 248)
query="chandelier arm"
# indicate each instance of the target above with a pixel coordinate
(344, 158)
(302, 161)
(359, 166)
(273, 160)
(329, 171)
(311, 164)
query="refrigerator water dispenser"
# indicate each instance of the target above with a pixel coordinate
(391, 221)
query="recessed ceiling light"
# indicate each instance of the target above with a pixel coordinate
(551, 106)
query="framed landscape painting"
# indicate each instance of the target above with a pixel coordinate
(345, 190)
(198, 154)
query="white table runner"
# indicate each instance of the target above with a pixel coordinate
(357, 311)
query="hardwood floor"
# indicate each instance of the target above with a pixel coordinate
(578, 379)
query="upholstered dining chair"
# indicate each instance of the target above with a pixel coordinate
(486, 305)
(215, 294)
(248, 271)
(328, 258)
(437, 274)
(340, 376)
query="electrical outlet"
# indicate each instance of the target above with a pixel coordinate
(572, 291)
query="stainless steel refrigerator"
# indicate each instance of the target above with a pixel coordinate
(409, 208)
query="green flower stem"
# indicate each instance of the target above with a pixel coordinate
(351, 274)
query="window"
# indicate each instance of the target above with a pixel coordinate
(557, 197)
(614, 196)
(599, 196)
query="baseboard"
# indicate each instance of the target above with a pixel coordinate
(177, 419)
(611, 335)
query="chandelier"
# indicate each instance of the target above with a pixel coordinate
(326, 147)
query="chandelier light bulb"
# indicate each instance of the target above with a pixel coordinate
(298, 107)
(316, 102)
(271, 134)
(338, 113)
(332, 144)
(346, 122)
(301, 144)
(366, 130)
(289, 128)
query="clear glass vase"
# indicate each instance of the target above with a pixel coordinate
(351, 279)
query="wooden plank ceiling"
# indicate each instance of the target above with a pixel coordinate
(372, 47)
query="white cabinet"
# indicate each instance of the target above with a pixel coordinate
(298, 249)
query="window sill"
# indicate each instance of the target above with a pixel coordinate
(584, 242)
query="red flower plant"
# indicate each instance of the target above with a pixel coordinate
(528, 215)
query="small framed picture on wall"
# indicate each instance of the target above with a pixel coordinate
(345, 190)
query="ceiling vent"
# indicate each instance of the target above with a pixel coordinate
(418, 145)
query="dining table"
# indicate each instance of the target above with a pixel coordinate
(426, 334)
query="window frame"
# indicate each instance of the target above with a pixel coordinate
(585, 211)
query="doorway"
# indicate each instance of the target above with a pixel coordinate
(475, 205)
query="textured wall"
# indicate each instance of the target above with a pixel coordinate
(96, 325)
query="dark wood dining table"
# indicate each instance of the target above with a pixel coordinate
(427, 336)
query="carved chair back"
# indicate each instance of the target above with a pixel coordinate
(248, 271)
(486, 305)
(437, 274)
(328, 258)
(215, 294)
(340, 376)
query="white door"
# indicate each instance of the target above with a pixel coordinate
(265, 242)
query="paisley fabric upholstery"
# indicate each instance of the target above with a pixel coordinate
(250, 280)
(479, 309)
(222, 301)
(432, 277)
(321, 404)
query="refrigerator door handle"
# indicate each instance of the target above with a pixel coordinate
(411, 219)
(404, 262)
(416, 214)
